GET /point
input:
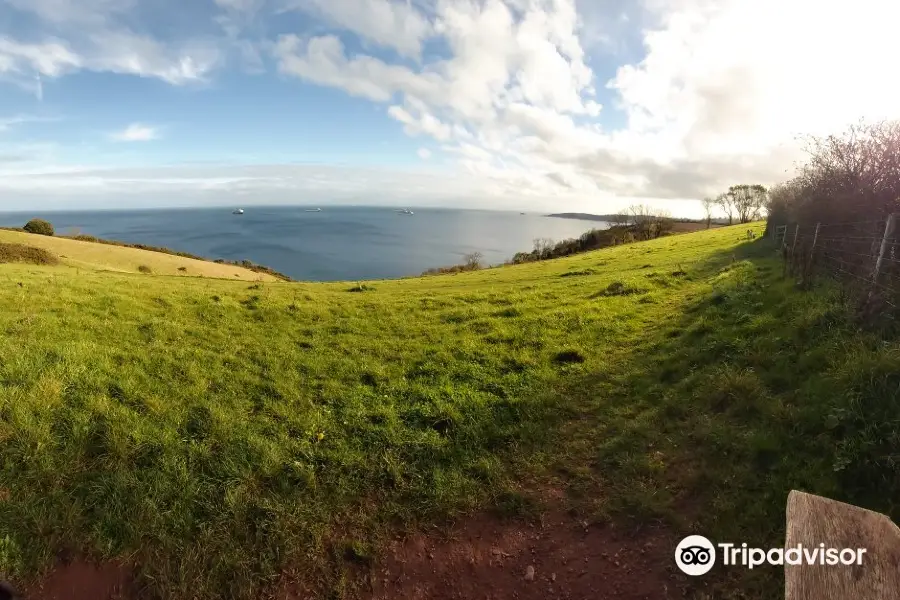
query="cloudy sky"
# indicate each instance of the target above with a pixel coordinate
(523, 104)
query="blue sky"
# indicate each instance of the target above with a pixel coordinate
(522, 104)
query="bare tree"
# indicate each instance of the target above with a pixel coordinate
(726, 203)
(542, 246)
(640, 216)
(709, 204)
(663, 223)
(619, 219)
(473, 260)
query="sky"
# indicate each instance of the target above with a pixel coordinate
(549, 105)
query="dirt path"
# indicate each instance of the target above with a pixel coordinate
(81, 580)
(480, 558)
(487, 559)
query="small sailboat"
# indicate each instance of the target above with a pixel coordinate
(405, 211)
(238, 211)
(313, 210)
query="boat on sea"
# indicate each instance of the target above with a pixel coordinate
(405, 211)
(313, 210)
(238, 211)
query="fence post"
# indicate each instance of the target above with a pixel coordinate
(793, 257)
(885, 241)
(807, 269)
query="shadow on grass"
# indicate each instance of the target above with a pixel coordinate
(711, 420)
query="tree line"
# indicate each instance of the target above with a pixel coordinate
(848, 177)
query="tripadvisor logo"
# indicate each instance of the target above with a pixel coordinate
(696, 555)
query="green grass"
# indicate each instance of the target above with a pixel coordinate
(217, 434)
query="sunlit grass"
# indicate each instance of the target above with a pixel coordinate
(217, 432)
(86, 256)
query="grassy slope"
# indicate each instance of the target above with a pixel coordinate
(215, 433)
(102, 257)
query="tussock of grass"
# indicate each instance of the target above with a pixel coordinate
(20, 253)
(579, 273)
(569, 357)
(618, 288)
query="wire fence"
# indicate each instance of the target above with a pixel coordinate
(863, 255)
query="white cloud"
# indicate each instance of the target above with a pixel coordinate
(560, 99)
(96, 35)
(718, 96)
(393, 24)
(119, 52)
(51, 58)
(136, 132)
(424, 153)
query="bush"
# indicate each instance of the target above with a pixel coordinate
(19, 253)
(144, 269)
(39, 227)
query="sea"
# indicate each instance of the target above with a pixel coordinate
(337, 244)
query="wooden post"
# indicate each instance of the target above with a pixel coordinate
(885, 241)
(807, 268)
(813, 520)
(792, 256)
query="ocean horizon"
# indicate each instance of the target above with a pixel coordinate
(340, 243)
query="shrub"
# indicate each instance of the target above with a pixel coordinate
(19, 253)
(85, 238)
(39, 227)
(144, 269)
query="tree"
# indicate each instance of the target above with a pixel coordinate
(542, 246)
(641, 217)
(663, 223)
(618, 219)
(748, 201)
(709, 204)
(473, 260)
(40, 227)
(726, 203)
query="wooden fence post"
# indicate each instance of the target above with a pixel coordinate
(885, 242)
(807, 268)
(793, 257)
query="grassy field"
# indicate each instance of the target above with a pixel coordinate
(99, 257)
(216, 433)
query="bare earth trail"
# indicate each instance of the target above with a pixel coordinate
(479, 558)
(485, 559)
